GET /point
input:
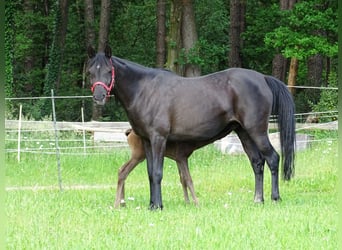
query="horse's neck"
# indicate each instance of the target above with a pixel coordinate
(127, 82)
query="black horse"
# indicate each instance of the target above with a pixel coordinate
(162, 106)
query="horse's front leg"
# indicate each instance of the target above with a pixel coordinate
(149, 161)
(155, 170)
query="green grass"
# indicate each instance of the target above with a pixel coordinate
(227, 218)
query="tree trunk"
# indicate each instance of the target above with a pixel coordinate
(242, 25)
(9, 51)
(315, 70)
(89, 22)
(315, 77)
(56, 53)
(29, 59)
(294, 61)
(189, 37)
(174, 38)
(104, 24)
(293, 74)
(90, 40)
(279, 63)
(279, 66)
(103, 40)
(161, 34)
(57, 48)
(63, 30)
(287, 4)
(236, 27)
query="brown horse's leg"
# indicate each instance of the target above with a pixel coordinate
(183, 182)
(186, 180)
(122, 175)
(257, 162)
(137, 156)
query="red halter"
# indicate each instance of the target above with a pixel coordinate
(109, 89)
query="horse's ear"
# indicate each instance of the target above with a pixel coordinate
(108, 51)
(91, 51)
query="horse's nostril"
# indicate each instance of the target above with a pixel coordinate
(99, 97)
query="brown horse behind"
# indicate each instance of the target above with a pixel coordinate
(138, 155)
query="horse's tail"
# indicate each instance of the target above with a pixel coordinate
(284, 107)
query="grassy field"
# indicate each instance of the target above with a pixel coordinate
(227, 218)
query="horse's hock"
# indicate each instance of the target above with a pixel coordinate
(231, 144)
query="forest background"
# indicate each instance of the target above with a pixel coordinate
(46, 43)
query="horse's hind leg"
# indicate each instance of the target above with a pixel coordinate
(186, 180)
(272, 158)
(137, 156)
(257, 162)
(122, 176)
(183, 182)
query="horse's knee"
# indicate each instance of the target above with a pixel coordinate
(157, 175)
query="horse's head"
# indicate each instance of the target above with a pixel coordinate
(102, 74)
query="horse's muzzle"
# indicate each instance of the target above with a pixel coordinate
(100, 99)
(100, 102)
(99, 95)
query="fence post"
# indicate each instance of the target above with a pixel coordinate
(83, 129)
(19, 131)
(56, 142)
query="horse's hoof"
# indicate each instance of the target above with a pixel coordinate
(259, 200)
(156, 207)
(276, 199)
(117, 205)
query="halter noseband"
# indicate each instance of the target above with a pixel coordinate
(109, 89)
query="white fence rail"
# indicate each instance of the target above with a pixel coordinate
(92, 126)
(39, 135)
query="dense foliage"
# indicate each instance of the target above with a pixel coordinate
(308, 30)
(31, 53)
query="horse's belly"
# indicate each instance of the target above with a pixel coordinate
(193, 129)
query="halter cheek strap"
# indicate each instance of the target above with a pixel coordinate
(108, 89)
